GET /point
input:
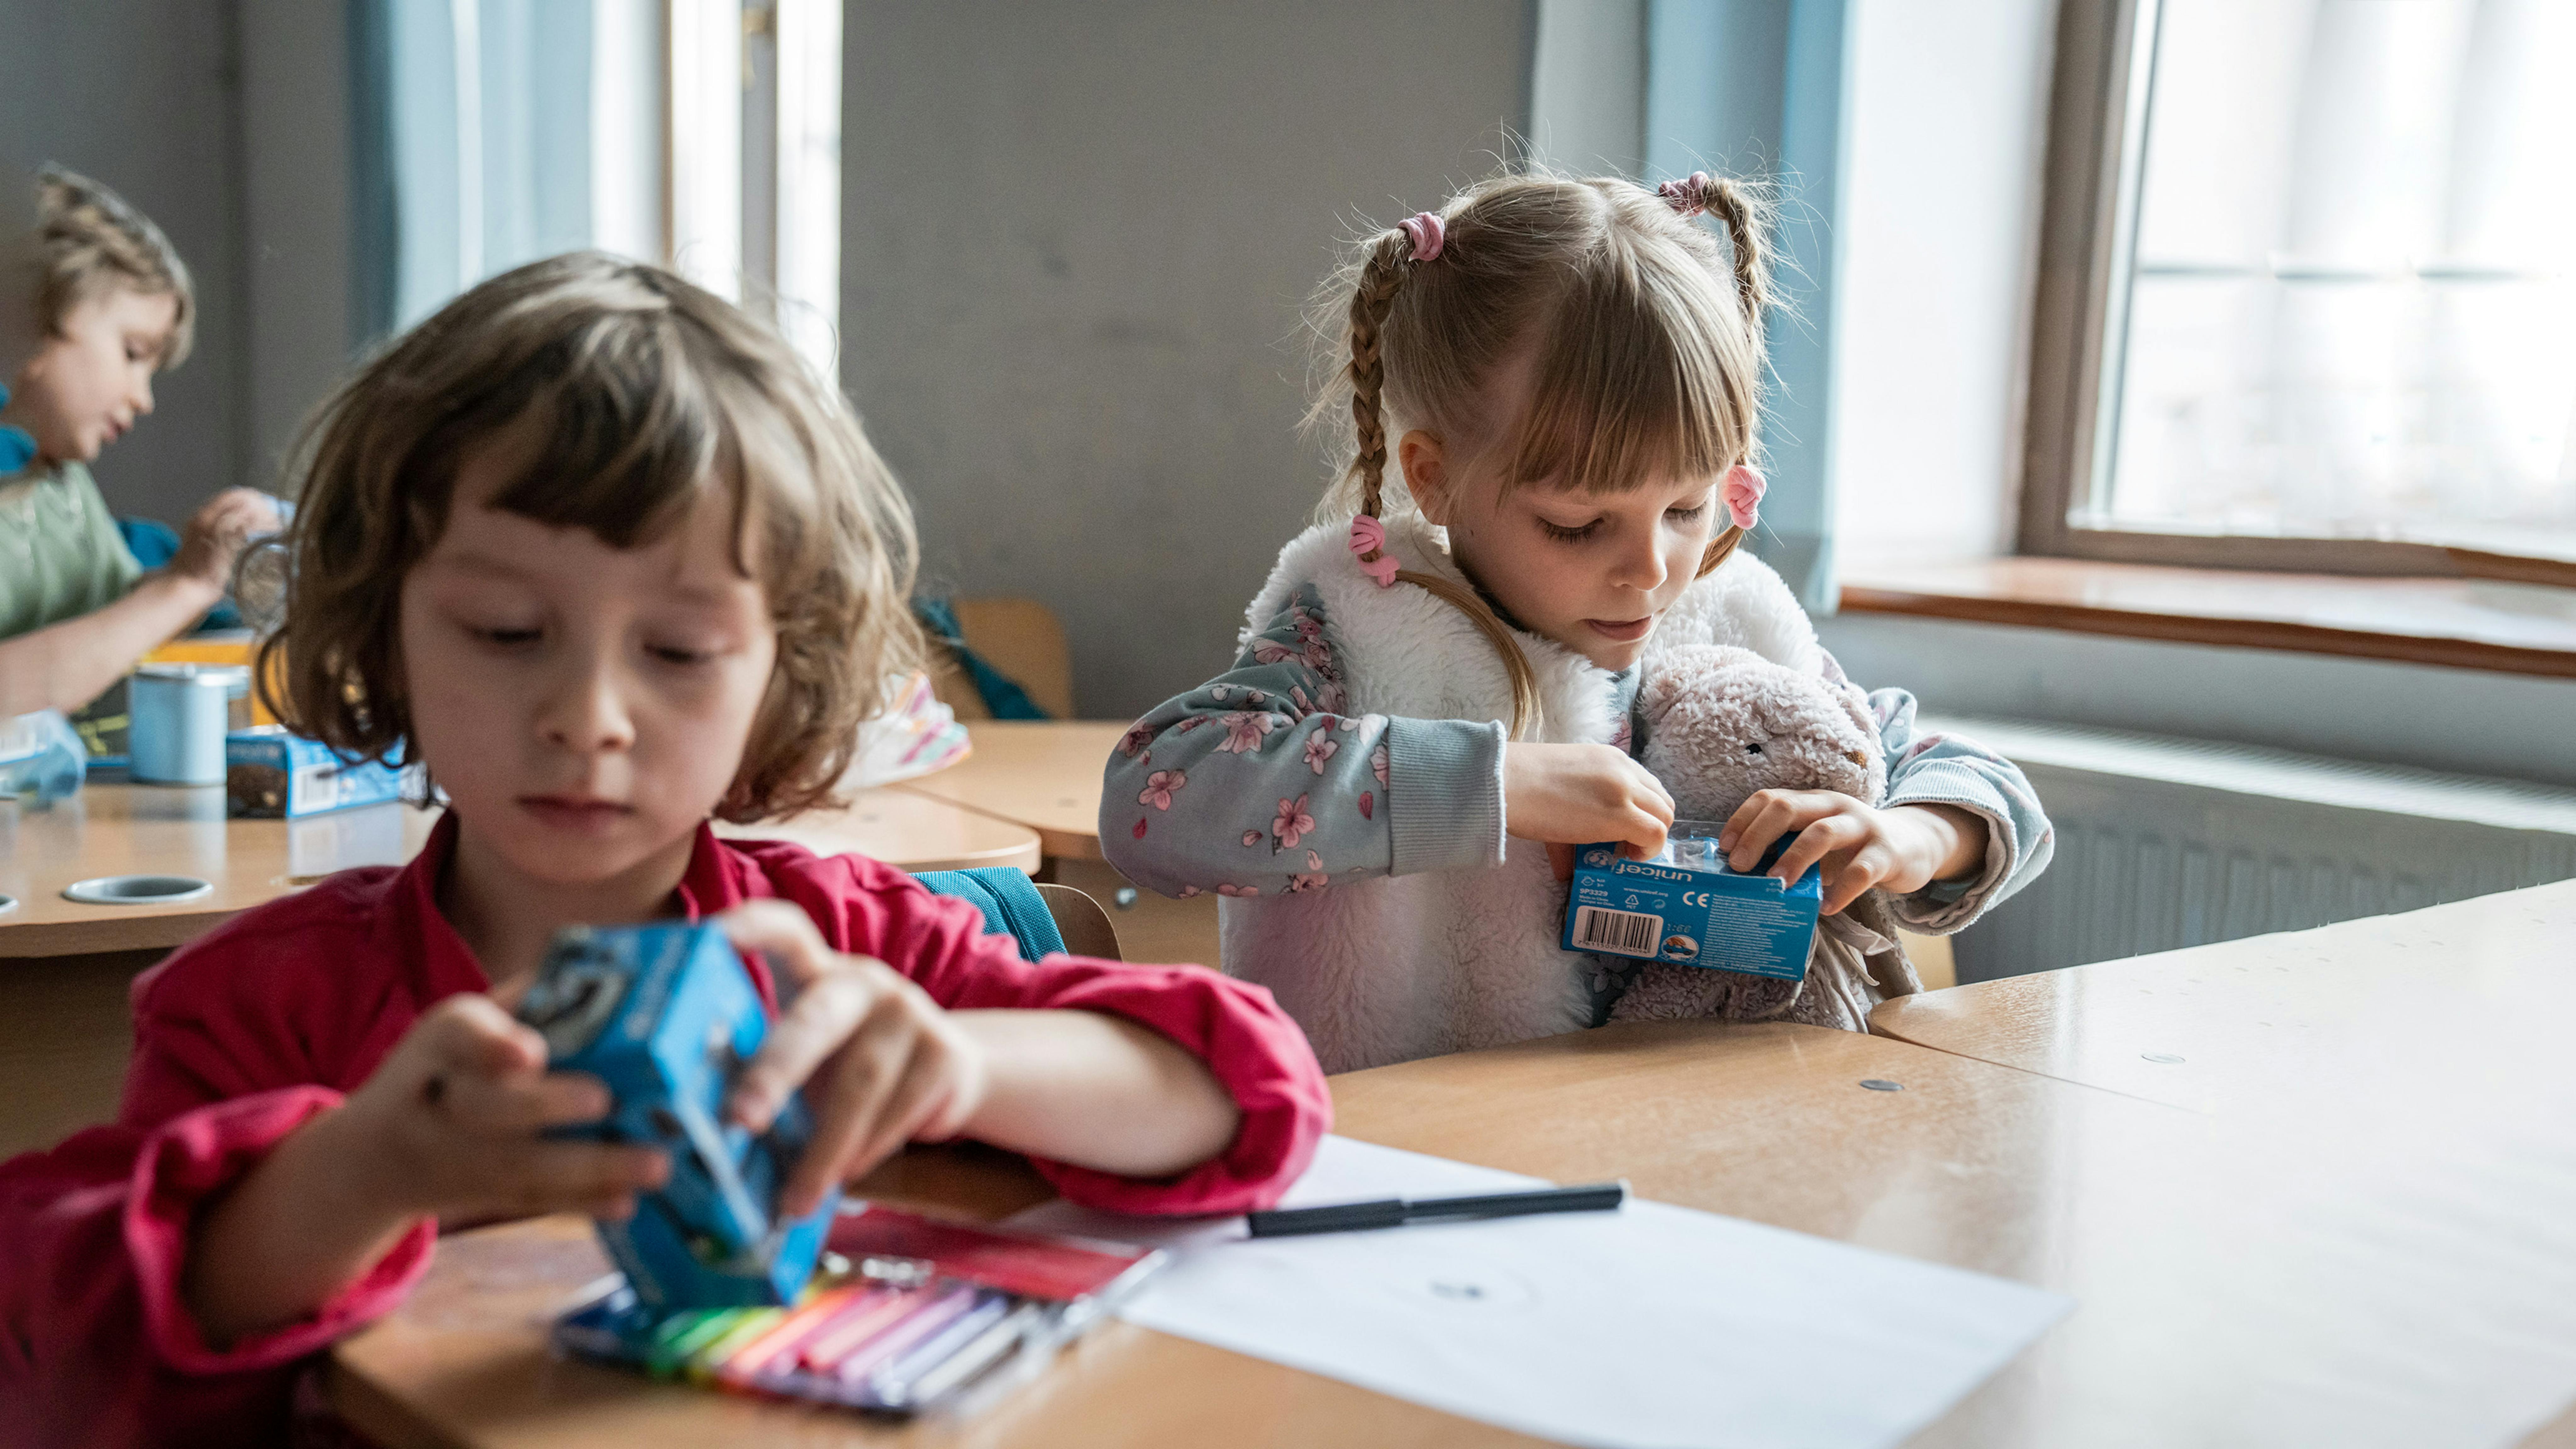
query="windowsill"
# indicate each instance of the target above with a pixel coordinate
(2458, 623)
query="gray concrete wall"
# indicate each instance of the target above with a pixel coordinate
(140, 94)
(295, 185)
(1077, 238)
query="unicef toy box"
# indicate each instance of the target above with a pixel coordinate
(1686, 906)
(269, 774)
(665, 1015)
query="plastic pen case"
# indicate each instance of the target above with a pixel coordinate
(908, 1314)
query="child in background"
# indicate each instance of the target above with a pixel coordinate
(112, 307)
(613, 561)
(1434, 699)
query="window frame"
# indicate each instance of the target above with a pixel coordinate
(2098, 99)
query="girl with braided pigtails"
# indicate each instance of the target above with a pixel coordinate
(1433, 701)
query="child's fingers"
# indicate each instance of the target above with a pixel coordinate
(785, 935)
(1643, 834)
(1652, 796)
(545, 1177)
(470, 1035)
(931, 1079)
(820, 1023)
(1867, 867)
(918, 1090)
(1817, 839)
(863, 1077)
(514, 1105)
(1758, 822)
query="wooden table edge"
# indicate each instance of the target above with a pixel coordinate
(24, 940)
(1055, 844)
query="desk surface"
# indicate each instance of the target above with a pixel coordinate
(2234, 1288)
(2467, 1003)
(120, 829)
(1044, 774)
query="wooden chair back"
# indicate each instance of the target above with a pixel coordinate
(1020, 637)
(1086, 928)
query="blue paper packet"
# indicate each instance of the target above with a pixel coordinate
(1686, 906)
(665, 1015)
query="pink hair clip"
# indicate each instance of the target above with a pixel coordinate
(1743, 493)
(1368, 536)
(1427, 233)
(1688, 196)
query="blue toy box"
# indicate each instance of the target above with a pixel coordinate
(665, 1015)
(270, 774)
(1685, 906)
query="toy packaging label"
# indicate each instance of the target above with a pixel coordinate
(269, 774)
(665, 1015)
(1687, 907)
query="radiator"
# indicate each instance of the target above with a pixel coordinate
(2163, 843)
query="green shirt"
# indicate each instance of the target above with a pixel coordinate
(61, 555)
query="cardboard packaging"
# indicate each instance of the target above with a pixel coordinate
(270, 774)
(1686, 907)
(665, 1015)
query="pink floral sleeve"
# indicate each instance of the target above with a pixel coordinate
(1256, 783)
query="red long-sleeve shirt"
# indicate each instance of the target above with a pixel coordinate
(269, 1020)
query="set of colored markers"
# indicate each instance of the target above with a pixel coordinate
(908, 1314)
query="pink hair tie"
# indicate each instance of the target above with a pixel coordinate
(1369, 536)
(1743, 491)
(1427, 233)
(1689, 197)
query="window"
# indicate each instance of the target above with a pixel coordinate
(2308, 287)
(702, 134)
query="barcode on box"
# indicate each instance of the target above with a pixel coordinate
(1621, 933)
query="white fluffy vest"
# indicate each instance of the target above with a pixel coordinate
(1391, 969)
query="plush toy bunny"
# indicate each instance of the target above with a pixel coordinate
(1720, 724)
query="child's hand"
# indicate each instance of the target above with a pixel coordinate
(1899, 850)
(215, 535)
(882, 1065)
(1570, 795)
(449, 1125)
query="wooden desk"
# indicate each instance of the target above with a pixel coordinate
(1044, 774)
(2234, 1289)
(2465, 1005)
(118, 829)
(911, 831)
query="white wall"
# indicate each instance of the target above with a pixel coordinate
(1076, 241)
(1948, 126)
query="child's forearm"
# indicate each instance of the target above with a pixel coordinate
(289, 1237)
(65, 666)
(1098, 1092)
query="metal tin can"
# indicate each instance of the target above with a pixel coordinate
(178, 717)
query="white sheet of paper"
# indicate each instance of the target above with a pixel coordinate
(1652, 1326)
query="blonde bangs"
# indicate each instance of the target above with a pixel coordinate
(1632, 379)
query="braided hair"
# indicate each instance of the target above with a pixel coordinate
(1535, 255)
